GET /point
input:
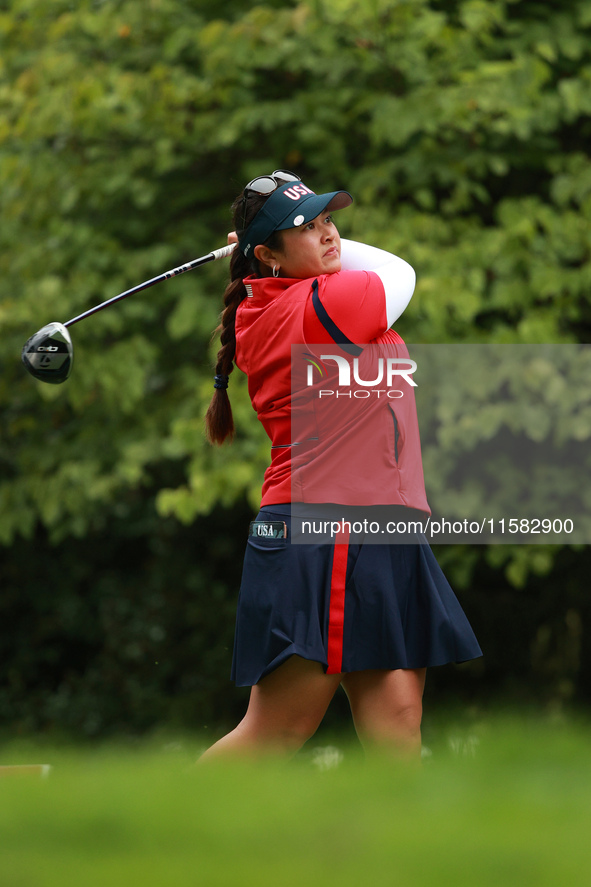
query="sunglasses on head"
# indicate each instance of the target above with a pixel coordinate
(267, 184)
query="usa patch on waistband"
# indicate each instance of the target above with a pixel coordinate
(268, 529)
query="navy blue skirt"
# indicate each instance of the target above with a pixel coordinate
(350, 607)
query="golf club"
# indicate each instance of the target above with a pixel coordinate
(48, 355)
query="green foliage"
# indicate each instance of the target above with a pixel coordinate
(126, 130)
(461, 129)
(505, 435)
(122, 631)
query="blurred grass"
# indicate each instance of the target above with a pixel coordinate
(506, 803)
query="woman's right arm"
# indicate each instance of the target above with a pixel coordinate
(397, 276)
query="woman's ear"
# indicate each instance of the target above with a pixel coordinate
(265, 256)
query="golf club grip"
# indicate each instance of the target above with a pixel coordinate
(224, 251)
(220, 253)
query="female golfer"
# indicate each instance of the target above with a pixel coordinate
(372, 617)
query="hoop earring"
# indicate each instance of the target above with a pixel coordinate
(275, 271)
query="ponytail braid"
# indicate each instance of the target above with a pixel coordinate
(219, 422)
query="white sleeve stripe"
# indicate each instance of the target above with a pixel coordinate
(357, 256)
(397, 275)
(399, 281)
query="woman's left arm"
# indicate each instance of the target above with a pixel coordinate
(397, 276)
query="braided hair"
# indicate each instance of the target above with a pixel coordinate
(219, 421)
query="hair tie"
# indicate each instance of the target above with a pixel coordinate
(220, 381)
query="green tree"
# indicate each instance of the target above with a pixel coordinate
(461, 127)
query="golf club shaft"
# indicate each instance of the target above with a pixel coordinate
(189, 266)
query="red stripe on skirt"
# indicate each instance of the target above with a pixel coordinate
(336, 613)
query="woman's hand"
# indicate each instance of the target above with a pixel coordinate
(232, 237)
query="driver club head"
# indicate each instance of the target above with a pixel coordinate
(48, 355)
